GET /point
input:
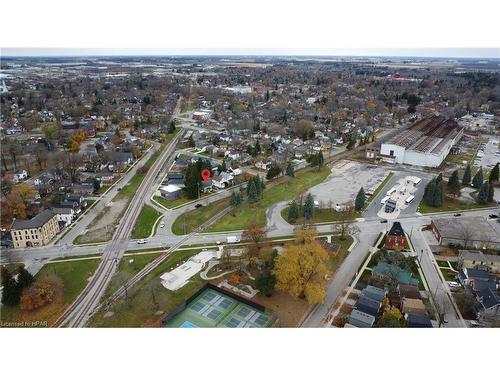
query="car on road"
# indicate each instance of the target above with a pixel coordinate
(493, 216)
(198, 205)
(445, 318)
(476, 324)
(162, 225)
(119, 189)
(383, 221)
(140, 242)
(457, 215)
(453, 284)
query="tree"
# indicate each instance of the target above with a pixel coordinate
(290, 172)
(10, 293)
(478, 179)
(302, 268)
(438, 193)
(224, 166)
(345, 219)
(482, 196)
(293, 212)
(24, 278)
(96, 184)
(392, 318)
(454, 184)
(19, 200)
(467, 176)
(254, 233)
(302, 128)
(236, 199)
(491, 192)
(253, 195)
(265, 282)
(359, 203)
(308, 207)
(273, 172)
(41, 293)
(495, 173)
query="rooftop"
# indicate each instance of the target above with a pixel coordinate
(429, 135)
(36, 222)
(476, 227)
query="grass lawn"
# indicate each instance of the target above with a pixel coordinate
(379, 188)
(336, 261)
(74, 276)
(243, 216)
(321, 215)
(194, 218)
(442, 263)
(148, 302)
(126, 270)
(145, 222)
(451, 204)
(448, 274)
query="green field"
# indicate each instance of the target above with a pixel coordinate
(149, 301)
(127, 269)
(286, 190)
(451, 205)
(145, 221)
(74, 276)
(191, 220)
(321, 215)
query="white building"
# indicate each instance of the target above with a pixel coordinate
(426, 143)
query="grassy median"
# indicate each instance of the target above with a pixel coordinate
(145, 222)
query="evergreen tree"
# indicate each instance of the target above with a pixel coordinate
(236, 199)
(478, 179)
(359, 203)
(289, 170)
(11, 294)
(293, 212)
(429, 192)
(224, 166)
(454, 184)
(309, 207)
(491, 192)
(193, 179)
(274, 171)
(482, 196)
(438, 193)
(321, 159)
(467, 176)
(24, 278)
(495, 173)
(265, 282)
(253, 194)
(267, 95)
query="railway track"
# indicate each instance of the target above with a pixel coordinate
(156, 262)
(84, 306)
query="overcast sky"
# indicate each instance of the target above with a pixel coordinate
(418, 52)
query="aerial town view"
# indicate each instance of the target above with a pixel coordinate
(250, 192)
(302, 168)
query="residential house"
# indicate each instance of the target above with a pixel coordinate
(361, 319)
(395, 239)
(418, 321)
(170, 192)
(64, 215)
(479, 260)
(222, 181)
(368, 305)
(413, 306)
(37, 231)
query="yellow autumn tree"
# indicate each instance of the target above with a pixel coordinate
(302, 268)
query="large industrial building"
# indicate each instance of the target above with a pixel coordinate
(426, 143)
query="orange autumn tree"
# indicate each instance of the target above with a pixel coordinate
(302, 268)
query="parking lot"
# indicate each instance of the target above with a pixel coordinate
(409, 209)
(347, 177)
(488, 155)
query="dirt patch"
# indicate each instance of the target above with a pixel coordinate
(289, 310)
(103, 227)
